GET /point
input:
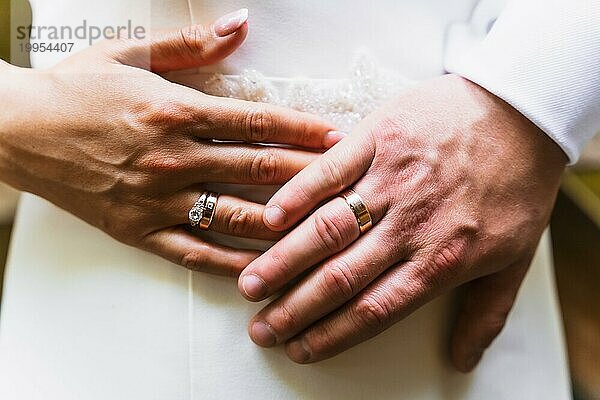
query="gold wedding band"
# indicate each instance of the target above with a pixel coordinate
(203, 211)
(360, 210)
(210, 207)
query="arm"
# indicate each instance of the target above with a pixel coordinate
(107, 139)
(459, 183)
(460, 187)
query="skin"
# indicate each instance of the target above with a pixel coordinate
(460, 187)
(105, 137)
(131, 159)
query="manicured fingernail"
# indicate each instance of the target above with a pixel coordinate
(275, 216)
(262, 334)
(473, 360)
(254, 287)
(230, 23)
(299, 351)
(332, 137)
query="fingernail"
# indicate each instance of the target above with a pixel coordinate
(262, 334)
(299, 351)
(275, 216)
(332, 137)
(472, 361)
(230, 23)
(254, 287)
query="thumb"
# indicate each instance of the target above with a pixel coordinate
(486, 307)
(189, 47)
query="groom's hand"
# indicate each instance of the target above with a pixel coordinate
(459, 186)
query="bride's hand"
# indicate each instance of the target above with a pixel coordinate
(460, 187)
(107, 139)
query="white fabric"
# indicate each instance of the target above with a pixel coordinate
(85, 317)
(8, 203)
(543, 58)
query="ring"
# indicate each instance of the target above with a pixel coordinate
(360, 210)
(202, 212)
(208, 211)
(197, 210)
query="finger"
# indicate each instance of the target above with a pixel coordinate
(336, 170)
(192, 162)
(188, 47)
(325, 289)
(252, 122)
(487, 304)
(369, 313)
(391, 297)
(233, 216)
(247, 164)
(182, 248)
(326, 232)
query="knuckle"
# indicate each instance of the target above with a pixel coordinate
(281, 269)
(330, 232)
(445, 263)
(323, 342)
(193, 260)
(331, 169)
(302, 194)
(450, 256)
(373, 314)
(286, 320)
(258, 126)
(240, 221)
(159, 162)
(339, 283)
(194, 40)
(265, 166)
(166, 113)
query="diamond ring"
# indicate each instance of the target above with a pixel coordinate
(197, 210)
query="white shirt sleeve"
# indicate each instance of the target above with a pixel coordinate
(540, 56)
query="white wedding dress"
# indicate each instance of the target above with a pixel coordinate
(85, 317)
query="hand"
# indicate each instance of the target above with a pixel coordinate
(105, 138)
(460, 187)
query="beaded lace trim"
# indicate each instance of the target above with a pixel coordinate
(344, 102)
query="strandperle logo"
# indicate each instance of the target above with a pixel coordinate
(84, 31)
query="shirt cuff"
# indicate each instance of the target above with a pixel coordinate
(543, 58)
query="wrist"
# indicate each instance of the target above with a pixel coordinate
(528, 142)
(19, 88)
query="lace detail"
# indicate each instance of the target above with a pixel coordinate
(344, 101)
